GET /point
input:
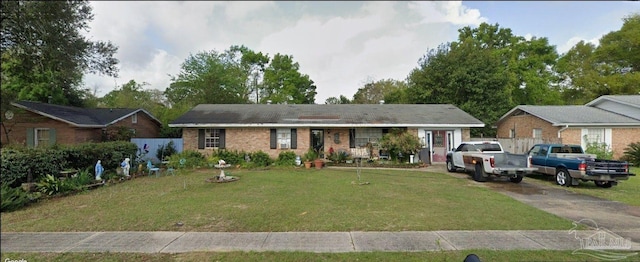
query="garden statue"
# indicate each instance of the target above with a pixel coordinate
(99, 169)
(125, 167)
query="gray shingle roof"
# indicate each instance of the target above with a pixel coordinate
(632, 100)
(574, 115)
(341, 115)
(81, 117)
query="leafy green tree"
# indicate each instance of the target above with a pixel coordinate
(44, 54)
(486, 72)
(335, 100)
(208, 78)
(478, 87)
(611, 68)
(283, 82)
(621, 48)
(527, 63)
(375, 91)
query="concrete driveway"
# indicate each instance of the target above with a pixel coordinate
(595, 212)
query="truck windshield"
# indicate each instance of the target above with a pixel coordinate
(488, 147)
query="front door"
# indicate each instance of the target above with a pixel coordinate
(317, 140)
(439, 146)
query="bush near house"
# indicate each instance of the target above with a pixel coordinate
(632, 154)
(18, 163)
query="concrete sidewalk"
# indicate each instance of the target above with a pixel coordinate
(405, 241)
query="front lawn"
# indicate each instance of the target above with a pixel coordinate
(285, 200)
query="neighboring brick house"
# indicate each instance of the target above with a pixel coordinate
(35, 123)
(274, 128)
(614, 120)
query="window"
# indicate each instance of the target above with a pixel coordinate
(595, 135)
(512, 133)
(284, 138)
(537, 133)
(42, 136)
(368, 135)
(211, 138)
(134, 118)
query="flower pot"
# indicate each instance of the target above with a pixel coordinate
(318, 163)
(307, 164)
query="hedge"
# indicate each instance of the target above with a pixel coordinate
(17, 162)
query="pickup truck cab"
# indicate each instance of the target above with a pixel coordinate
(570, 164)
(487, 158)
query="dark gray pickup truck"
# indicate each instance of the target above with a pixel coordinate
(570, 164)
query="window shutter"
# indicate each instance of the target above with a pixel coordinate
(52, 136)
(274, 139)
(294, 138)
(222, 137)
(200, 138)
(30, 137)
(352, 138)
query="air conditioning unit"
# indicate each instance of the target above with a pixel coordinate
(284, 146)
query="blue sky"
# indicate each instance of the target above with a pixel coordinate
(340, 45)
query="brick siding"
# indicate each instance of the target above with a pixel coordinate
(524, 125)
(69, 134)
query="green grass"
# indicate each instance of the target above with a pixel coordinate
(455, 256)
(279, 200)
(627, 191)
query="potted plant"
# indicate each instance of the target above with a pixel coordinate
(308, 157)
(318, 162)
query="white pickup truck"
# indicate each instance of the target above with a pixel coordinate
(487, 158)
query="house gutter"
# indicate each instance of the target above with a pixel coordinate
(562, 129)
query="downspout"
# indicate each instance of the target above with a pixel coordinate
(562, 129)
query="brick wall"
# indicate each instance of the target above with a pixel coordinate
(250, 140)
(69, 134)
(524, 125)
(621, 138)
(145, 126)
(65, 133)
(571, 136)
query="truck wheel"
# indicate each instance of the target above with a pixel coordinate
(603, 184)
(516, 179)
(477, 174)
(562, 177)
(450, 166)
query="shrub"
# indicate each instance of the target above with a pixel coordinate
(601, 150)
(286, 158)
(632, 153)
(261, 158)
(230, 157)
(399, 141)
(192, 159)
(13, 198)
(49, 185)
(166, 150)
(18, 163)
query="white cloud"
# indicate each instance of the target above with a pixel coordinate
(447, 12)
(339, 45)
(576, 39)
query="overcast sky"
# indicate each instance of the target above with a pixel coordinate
(339, 45)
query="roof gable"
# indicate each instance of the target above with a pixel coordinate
(80, 117)
(627, 105)
(629, 100)
(573, 115)
(341, 115)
